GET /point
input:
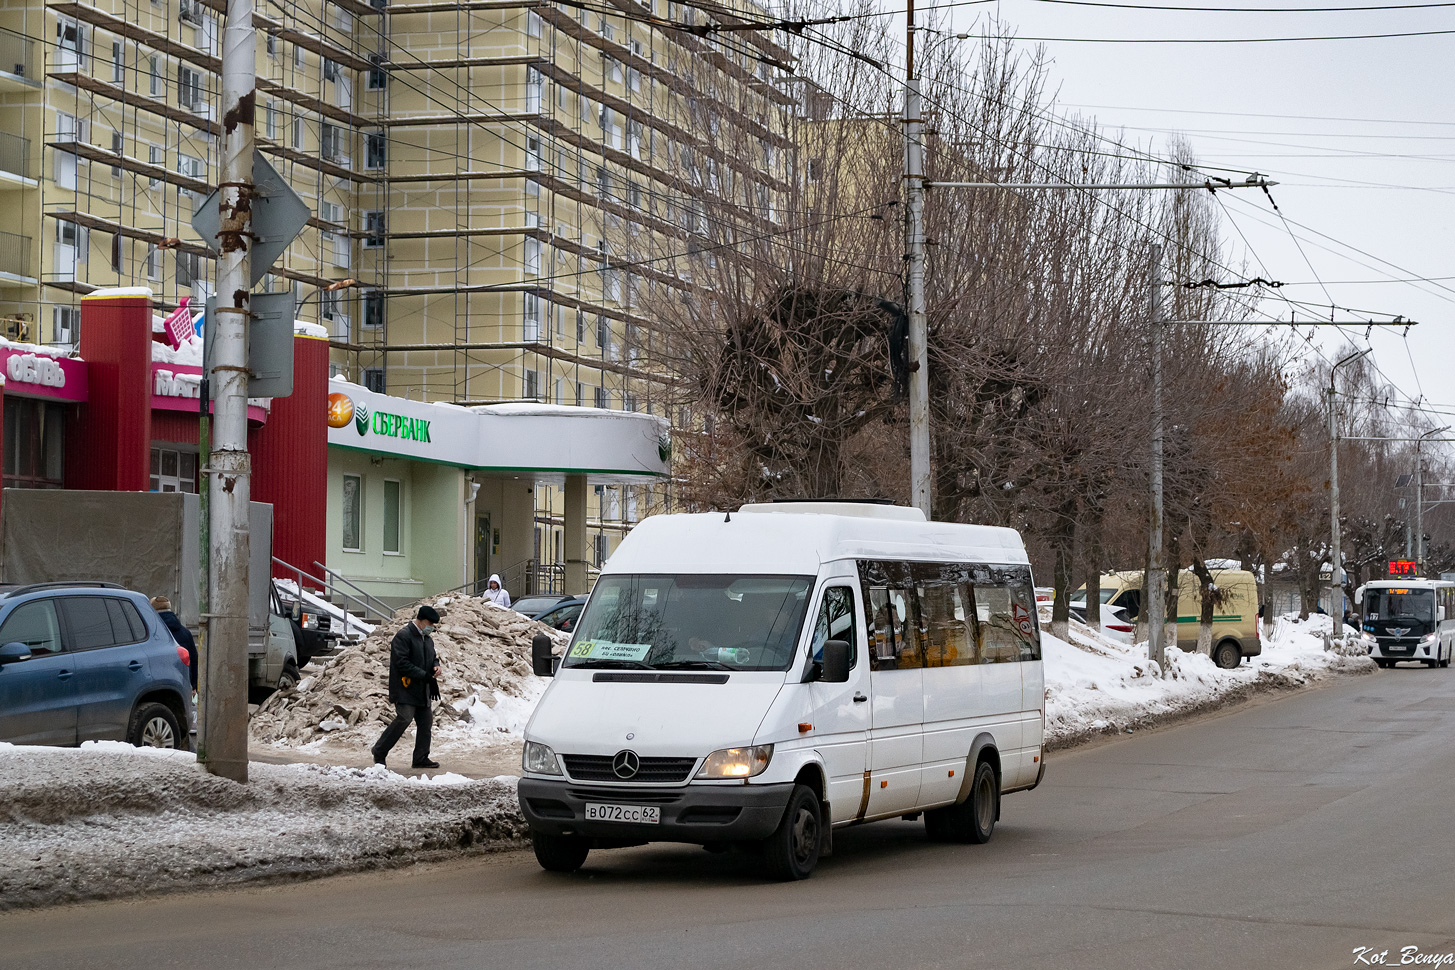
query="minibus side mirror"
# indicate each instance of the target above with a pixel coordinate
(540, 655)
(835, 662)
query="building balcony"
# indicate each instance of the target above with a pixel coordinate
(18, 66)
(15, 163)
(16, 253)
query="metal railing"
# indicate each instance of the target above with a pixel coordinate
(379, 605)
(14, 154)
(15, 252)
(17, 56)
(370, 612)
(529, 577)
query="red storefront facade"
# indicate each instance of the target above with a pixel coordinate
(118, 414)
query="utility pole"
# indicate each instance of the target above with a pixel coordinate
(223, 727)
(1336, 582)
(1419, 508)
(914, 258)
(1156, 601)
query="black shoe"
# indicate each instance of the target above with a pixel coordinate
(426, 763)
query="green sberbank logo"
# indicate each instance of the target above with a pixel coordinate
(399, 426)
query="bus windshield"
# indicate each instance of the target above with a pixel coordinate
(1393, 602)
(691, 621)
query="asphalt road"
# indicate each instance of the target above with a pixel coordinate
(1283, 834)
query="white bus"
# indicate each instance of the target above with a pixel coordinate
(765, 677)
(1408, 619)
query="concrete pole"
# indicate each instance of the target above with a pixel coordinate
(223, 742)
(914, 258)
(1156, 600)
(575, 535)
(1335, 585)
(1419, 508)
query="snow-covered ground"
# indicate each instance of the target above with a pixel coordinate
(107, 819)
(1097, 686)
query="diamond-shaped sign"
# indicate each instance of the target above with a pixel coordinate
(278, 215)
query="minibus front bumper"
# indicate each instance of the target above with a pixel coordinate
(699, 814)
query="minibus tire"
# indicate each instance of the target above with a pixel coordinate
(559, 853)
(791, 852)
(972, 820)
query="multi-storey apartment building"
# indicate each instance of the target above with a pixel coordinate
(477, 172)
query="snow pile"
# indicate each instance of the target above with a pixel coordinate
(1097, 686)
(487, 692)
(112, 820)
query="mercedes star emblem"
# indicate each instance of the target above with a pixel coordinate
(626, 764)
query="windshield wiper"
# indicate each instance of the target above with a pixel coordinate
(693, 665)
(630, 664)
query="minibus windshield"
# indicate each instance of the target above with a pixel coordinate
(1390, 603)
(691, 622)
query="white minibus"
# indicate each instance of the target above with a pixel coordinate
(1408, 619)
(764, 677)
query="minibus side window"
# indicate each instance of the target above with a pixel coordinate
(948, 632)
(836, 622)
(893, 625)
(1005, 620)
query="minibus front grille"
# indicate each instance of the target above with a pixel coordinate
(626, 795)
(598, 767)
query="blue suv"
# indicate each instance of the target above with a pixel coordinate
(86, 662)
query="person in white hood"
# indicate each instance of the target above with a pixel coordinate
(495, 593)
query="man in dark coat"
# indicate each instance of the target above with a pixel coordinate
(414, 672)
(180, 633)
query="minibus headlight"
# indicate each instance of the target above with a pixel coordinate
(540, 759)
(737, 762)
(1429, 638)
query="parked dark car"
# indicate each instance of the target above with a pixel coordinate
(87, 662)
(535, 604)
(563, 615)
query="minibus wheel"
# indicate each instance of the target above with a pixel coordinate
(791, 852)
(559, 853)
(973, 820)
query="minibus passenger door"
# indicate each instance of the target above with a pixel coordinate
(896, 688)
(840, 712)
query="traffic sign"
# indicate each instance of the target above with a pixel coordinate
(278, 215)
(270, 343)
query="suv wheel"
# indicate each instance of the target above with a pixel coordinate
(155, 726)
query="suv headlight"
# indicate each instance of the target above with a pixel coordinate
(737, 762)
(539, 759)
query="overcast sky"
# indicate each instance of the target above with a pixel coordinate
(1340, 114)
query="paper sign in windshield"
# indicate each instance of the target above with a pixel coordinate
(608, 650)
